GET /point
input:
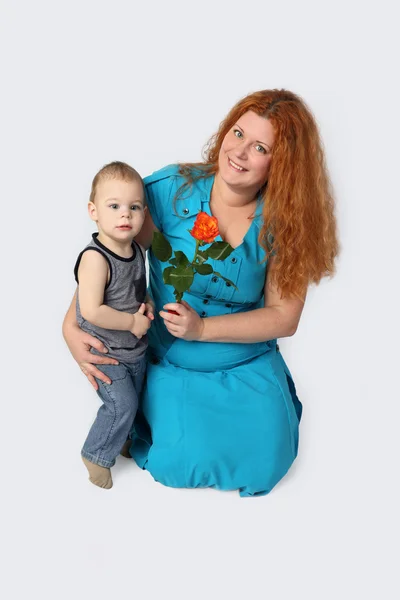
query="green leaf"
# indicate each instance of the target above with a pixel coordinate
(179, 259)
(219, 250)
(167, 275)
(181, 278)
(204, 269)
(201, 256)
(227, 280)
(161, 247)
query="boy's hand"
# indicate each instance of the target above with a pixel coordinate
(150, 307)
(141, 323)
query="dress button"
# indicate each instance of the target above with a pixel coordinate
(185, 211)
(234, 260)
(227, 284)
(155, 360)
(205, 301)
(228, 305)
(214, 279)
(203, 313)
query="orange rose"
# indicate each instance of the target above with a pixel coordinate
(205, 228)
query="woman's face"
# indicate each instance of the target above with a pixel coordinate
(245, 154)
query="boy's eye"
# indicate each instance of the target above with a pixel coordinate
(135, 207)
(114, 206)
(237, 133)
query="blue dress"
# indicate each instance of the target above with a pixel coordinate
(220, 415)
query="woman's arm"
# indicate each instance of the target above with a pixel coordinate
(145, 235)
(79, 343)
(278, 318)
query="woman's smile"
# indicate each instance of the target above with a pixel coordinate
(235, 166)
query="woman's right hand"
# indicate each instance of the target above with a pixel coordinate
(79, 343)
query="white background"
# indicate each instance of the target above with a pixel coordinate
(84, 83)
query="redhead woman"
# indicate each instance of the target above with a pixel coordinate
(219, 408)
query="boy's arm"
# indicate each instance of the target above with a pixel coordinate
(92, 277)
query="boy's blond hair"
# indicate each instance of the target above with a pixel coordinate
(115, 170)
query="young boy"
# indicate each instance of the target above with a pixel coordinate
(111, 298)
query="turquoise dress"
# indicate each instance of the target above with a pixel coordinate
(220, 415)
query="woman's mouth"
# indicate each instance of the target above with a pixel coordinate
(235, 166)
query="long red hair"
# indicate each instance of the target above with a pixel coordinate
(299, 225)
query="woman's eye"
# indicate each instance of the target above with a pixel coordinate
(261, 149)
(237, 133)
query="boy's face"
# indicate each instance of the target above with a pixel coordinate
(118, 209)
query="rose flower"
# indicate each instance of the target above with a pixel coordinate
(205, 228)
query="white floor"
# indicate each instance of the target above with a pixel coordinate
(328, 530)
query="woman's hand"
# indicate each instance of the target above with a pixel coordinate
(187, 324)
(79, 343)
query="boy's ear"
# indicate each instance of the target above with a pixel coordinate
(92, 211)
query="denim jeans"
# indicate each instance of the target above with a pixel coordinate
(115, 417)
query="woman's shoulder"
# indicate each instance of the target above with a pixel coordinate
(172, 182)
(176, 172)
(162, 174)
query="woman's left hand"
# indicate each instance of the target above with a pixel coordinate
(187, 324)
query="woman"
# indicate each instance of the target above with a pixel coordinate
(220, 408)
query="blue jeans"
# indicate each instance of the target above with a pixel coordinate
(115, 417)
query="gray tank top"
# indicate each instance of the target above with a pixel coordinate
(125, 291)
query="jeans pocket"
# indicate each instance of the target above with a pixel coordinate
(114, 372)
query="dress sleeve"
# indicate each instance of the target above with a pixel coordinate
(160, 188)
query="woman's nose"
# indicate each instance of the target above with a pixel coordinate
(241, 150)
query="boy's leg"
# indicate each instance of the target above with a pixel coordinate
(114, 419)
(138, 372)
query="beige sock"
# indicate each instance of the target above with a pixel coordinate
(100, 476)
(125, 449)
